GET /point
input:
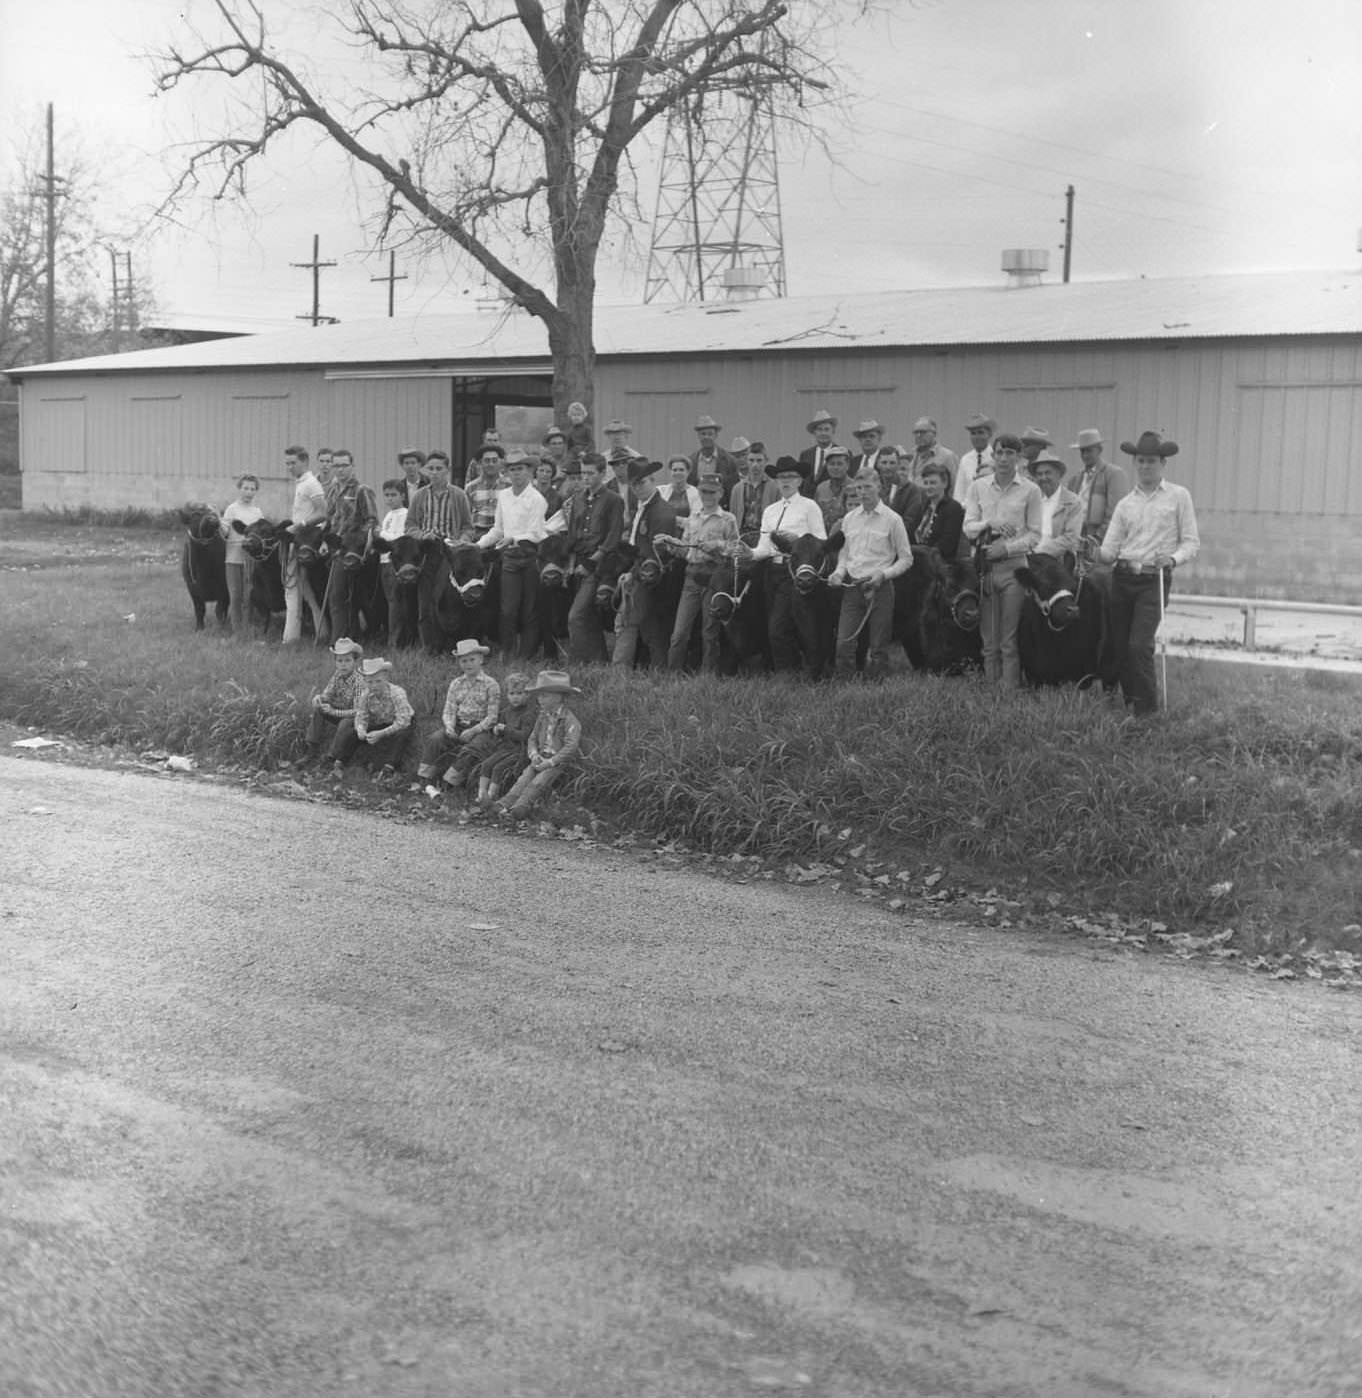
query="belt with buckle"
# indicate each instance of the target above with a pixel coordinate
(1139, 570)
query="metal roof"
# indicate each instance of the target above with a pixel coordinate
(1219, 306)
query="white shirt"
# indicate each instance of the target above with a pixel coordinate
(394, 524)
(797, 515)
(519, 518)
(309, 500)
(876, 542)
(1147, 523)
(972, 465)
(1047, 514)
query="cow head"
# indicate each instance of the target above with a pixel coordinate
(261, 539)
(1050, 585)
(408, 554)
(609, 572)
(808, 558)
(963, 591)
(354, 547)
(200, 521)
(309, 543)
(555, 560)
(468, 572)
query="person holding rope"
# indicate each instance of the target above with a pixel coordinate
(1002, 520)
(309, 506)
(1152, 530)
(349, 506)
(705, 535)
(875, 552)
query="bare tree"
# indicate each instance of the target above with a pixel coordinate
(502, 126)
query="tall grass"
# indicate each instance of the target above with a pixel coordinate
(1242, 806)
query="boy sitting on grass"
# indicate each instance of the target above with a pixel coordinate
(465, 729)
(336, 700)
(554, 742)
(503, 764)
(381, 727)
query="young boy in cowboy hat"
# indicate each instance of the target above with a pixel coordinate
(470, 714)
(1152, 530)
(504, 763)
(381, 726)
(336, 700)
(554, 742)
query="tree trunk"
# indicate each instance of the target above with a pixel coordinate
(571, 342)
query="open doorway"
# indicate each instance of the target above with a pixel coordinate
(520, 407)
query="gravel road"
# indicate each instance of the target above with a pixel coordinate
(298, 1102)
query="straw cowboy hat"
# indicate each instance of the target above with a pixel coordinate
(1088, 437)
(705, 421)
(980, 420)
(553, 682)
(415, 452)
(377, 666)
(345, 646)
(1036, 437)
(615, 425)
(470, 646)
(868, 426)
(819, 418)
(1150, 444)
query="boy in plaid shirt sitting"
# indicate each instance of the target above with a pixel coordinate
(470, 714)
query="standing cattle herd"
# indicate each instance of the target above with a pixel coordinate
(818, 565)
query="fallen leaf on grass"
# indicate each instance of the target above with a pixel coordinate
(180, 764)
(39, 810)
(933, 878)
(36, 743)
(1284, 973)
(483, 926)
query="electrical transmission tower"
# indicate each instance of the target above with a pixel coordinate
(717, 231)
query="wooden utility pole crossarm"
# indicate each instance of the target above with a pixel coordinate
(316, 265)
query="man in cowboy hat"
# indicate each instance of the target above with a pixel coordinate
(869, 434)
(381, 726)
(710, 459)
(649, 585)
(1060, 510)
(518, 528)
(978, 461)
(1002, 517)
(472, 704)
(821, 427)
(595, 524)
(928, 451)
(1152, 530)
(790, 623)
(555, 448)
(554, 743)
(1098, 484)
(876, 551)
(350, 506)
(1034, 440)
(411, 462)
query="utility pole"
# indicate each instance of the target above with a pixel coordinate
(128, 292)
(50, 180)
(114, 303)
(316, 265)
(1068, 229)
(392, 279)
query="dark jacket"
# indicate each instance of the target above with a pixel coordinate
(595, 524)
(942, 531)
(655, 518)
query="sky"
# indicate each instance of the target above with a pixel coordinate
(1200, 136)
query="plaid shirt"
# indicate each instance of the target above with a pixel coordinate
(556, 736)
(471, 704)
(339, 698)
(375, 712)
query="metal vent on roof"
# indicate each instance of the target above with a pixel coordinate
(1025, 265)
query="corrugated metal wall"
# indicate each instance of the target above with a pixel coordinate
(157, 440)
(1270, 430)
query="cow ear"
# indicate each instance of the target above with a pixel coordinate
(1027, 579)
(238, 527)
(382, 547)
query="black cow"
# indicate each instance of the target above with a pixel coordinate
(364, 610)
(405, 556)
(262, 543)
(1063, 636)
(203, 563)
(662, 582)
(474, 577)
(739, 601)
(311, 552)
(802, 610)
(939, 627)
(556, 591)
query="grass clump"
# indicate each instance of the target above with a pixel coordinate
(1242, 806)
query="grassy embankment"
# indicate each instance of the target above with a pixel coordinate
(1240, 808)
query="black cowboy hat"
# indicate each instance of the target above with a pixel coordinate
(787, 465)
(1150, 444)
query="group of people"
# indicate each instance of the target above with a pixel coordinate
(701, 516)
(489, 744)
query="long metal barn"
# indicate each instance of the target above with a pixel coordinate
(1258, 377)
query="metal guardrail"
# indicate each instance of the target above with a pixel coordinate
(1251, 606)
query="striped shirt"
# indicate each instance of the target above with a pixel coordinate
(445, 513)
